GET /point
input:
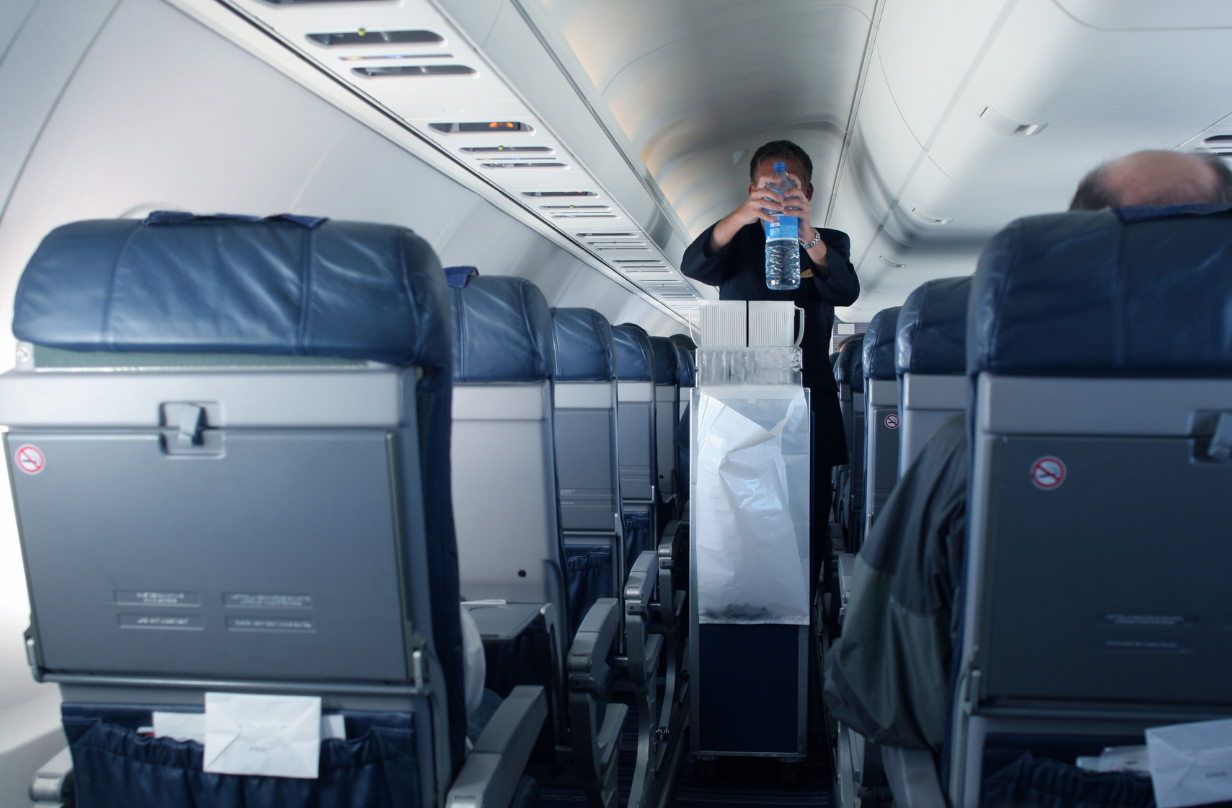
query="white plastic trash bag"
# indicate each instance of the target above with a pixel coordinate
(752, 506)
(1191, 764)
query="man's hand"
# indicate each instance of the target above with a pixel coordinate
(761, 199)
(796, 202)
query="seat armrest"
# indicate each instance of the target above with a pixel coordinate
(642, 648)
(672, 533)
(592, 644)
(640, 586)
(494, 767)
(53, 782)
(913, 777)
(669, 556)
(594, 740)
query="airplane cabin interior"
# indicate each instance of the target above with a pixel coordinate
(396, 412)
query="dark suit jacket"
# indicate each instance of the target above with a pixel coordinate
(739, 270)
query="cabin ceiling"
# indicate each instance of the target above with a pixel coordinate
(969, 113)
(697, 86)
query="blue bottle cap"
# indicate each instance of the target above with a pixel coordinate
(780, 166)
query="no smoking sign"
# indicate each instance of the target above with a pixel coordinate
(29, 459)
(1048, 473)
(891, 421)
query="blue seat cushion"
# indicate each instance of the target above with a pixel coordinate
(502, 330)
(879, 345)
(1131, 292)
(582, 339)
(849, 369)
(664, 360)
(686, 369)
(211, 285)
(932, 329)
(634, 354)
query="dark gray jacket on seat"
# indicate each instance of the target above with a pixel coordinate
(887, 676)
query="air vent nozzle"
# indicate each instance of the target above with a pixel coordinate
(503, 149)
(414, 70)
(544, 164)
(365, 37)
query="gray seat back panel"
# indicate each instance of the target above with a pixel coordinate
(585, 467)
(881, 453)
(636, 429)
(280, 398)
(143, 575)
(666, 419)
(927, 401)
(1140, 618)
(504, 492)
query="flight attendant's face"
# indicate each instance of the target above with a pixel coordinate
(765, 175)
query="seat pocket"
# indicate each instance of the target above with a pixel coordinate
(116, 767)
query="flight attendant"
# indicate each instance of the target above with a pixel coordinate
(731, 256)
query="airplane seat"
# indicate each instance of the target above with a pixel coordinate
(587, 464)
(839, 473)
(686, 376)
(850, 377)
(881, 413)
(929, 362)
(1100, 369)
(228, 444)
(667, 408)
(511, 552)
(636, 393)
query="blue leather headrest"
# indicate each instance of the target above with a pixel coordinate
(214, 285)
(879, 344)
(932, 329)
(686, 362)
(686, 367)
(502, 331)
(1106, 293)
(850, 367)
(664, 360)
(583, 342)
(684, 341)
(634, 354)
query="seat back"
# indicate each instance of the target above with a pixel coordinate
(1097, 564)
(686, 377)
(686, 366)
(849, 372)
(635, 371)
(587, 465)
(667, 409)
(504, 474)
(881, 420)
(930, 358)
(197, 401)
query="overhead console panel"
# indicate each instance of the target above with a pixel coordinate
(551, 153)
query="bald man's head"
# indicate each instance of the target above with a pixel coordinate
(1155, 178)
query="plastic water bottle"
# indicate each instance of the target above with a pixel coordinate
(782, 240)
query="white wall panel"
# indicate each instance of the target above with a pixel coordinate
(36, 65)
(925, 48)
(13, 15)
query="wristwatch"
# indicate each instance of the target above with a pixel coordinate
(811, 244)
